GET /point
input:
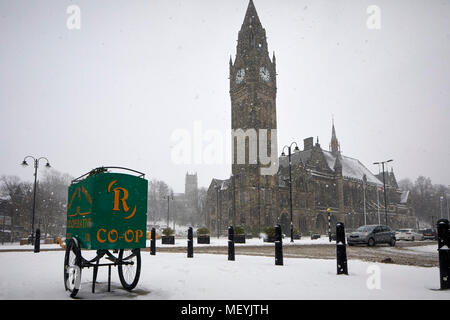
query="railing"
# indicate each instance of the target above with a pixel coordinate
(104, 169)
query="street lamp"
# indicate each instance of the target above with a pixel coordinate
(218, 211)
(290, 180)
(364, 191)
(36, 166)
(384, 188)
(168, 197)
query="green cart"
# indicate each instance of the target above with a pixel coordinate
(106, 212)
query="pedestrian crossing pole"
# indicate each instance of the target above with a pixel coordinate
(329, 224)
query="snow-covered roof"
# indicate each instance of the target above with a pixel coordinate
(351, 168)
(404, 197)
(223, 184)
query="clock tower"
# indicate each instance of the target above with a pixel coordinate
(253, 122)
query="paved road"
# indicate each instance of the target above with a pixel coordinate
(403, 253)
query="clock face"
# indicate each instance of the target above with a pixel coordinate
(264, 73)
(240, 75)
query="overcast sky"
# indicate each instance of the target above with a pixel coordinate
(115, 91)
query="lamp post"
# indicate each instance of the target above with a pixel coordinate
(290, 180)
(168, 197)
(448, 212)
(378, 206)
(441, 199)
(384, 188)
(218, 211)
(364, 191)
(36, 166)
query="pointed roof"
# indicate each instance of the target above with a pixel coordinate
(251, 16)
(252, 36)
(334, 144)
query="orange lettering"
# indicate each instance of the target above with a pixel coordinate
(139, 234)
(123, 199)
(98, 236)
(126, 235)
(109, 236)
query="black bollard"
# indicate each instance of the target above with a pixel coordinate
(153, 242)
(231, 243)
(341, 251)
(444, 252)
(278, 246)
(37, 241)
(190, 244)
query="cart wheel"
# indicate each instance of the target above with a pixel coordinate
(72, 267)
(129, 273)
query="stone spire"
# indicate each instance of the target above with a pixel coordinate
(335, 147)
(252, 36)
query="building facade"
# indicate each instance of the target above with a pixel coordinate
(321, 179)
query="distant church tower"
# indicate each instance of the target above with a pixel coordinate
(335, 147)
(191, 188)
(253, 106)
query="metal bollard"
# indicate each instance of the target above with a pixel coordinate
(444, 252)
(190, 244)
(153, 242)
(341, 251)
(231, 243)
(278, 246)
(37, 241)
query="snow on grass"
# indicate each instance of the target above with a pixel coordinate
(25, 275)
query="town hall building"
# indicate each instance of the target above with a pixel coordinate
(321, 179)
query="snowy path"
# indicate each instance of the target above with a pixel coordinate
(25, 275)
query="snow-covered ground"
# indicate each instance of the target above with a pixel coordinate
(433, 248)
(25, 275)
(182, 242)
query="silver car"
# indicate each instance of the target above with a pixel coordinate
(372, 235)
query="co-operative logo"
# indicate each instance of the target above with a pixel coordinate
(120, 197)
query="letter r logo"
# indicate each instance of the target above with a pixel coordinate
(120, 196)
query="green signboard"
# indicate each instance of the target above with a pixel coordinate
(108, 211)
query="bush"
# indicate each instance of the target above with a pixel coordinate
(239, 230)
(202, 231)
(167, 232)
(269, 231)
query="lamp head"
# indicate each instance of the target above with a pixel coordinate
(283, 154)
(47, 165)
(296, 149)
(24, 163)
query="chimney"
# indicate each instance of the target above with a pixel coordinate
(308, 143)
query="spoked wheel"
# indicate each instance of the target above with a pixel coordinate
(129, 273)
(72, 268)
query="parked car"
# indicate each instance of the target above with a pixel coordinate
(429, 234)
(372, 235)
(408, 234)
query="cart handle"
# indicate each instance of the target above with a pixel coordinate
(141, 175)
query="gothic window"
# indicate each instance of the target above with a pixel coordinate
(267, 195)
(243, 221)
(267, 217)
(242, 198)
(252, 40)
